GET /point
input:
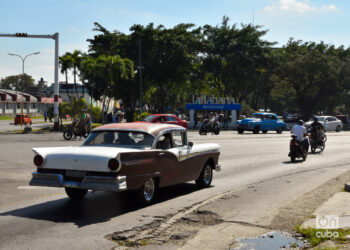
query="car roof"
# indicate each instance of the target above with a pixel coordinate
(264, 113)
(149, 128)
(163, 115)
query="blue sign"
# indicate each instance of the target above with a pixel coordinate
(234, 106)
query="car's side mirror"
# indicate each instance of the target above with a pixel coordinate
(190, 144)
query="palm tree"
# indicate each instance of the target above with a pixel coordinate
(76, 58)
(65, 63)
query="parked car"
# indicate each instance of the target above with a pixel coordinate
(261, 122)
(127, 156)
(165, 118)
(345, 119)
(330, 123)
(25, 119)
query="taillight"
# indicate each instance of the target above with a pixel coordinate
(38, 160)
(292, 143)
(113, 164)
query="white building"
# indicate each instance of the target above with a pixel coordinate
(12, 102)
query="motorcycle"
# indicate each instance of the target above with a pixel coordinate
(296, 149)
(75, 129)
(318, 139)
(210, 126)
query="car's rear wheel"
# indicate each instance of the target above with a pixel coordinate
(256, 130)
(206, 176)
(147, 192)
(76, 193)
(279, 130)
(264, 131)
(337, 129)
(240, 131)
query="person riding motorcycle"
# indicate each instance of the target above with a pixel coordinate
(316, 129)
(300, 132)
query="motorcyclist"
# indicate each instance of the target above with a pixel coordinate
(300, 132)
(316, 128)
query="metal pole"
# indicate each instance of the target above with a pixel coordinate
(22, 89)
(56, 88)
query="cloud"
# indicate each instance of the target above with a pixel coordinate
(299, 6)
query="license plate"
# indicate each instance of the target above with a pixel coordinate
(75, 173)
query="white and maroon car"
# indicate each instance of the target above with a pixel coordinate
(127, 156)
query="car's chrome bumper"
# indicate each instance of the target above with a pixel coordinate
(218, 167)
(103, 183)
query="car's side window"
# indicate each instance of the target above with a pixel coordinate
(272, 117)
(171, 119)
(179, 138)
(164, 142)
(161, 119)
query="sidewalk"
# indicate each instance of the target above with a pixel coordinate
(338, 206)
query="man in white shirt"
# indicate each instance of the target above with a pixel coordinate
(300, 131)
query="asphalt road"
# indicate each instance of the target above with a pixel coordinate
(43, 218)
(8, 125)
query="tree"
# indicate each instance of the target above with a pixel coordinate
(106, 77)
(66, 63)
(235, 58)
(314, 73)
(18, 82)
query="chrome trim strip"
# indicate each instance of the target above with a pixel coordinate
(103, 183)
(218, 168)
(195, 154)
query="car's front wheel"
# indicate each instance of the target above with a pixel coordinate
(76, 193)
(240, 131)
(147, 193)
(205, 178)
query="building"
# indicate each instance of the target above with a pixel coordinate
(11, 102)
(63, 87)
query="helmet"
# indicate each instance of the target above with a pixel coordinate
(300, 122)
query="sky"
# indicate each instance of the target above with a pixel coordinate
(307, 20)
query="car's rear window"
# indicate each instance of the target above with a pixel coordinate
(260, 116)
(119, 138)
(149, 118)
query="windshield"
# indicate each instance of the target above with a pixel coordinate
(260, 116)
(119, 138)
(149, 118)
(319, 118)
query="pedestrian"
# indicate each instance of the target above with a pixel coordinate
(195, 120)
(45, 116)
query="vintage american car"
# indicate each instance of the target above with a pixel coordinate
(127, 156)
(261, 122)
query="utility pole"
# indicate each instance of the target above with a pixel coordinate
(56, 87)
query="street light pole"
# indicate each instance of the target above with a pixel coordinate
(23, 60)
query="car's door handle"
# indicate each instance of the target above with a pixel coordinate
(161, 154)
